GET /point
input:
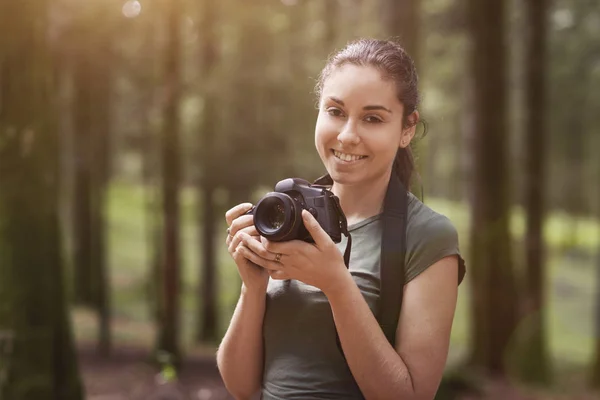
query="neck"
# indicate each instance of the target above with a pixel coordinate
(362, 201)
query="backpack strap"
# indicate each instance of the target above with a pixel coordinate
(393, 252)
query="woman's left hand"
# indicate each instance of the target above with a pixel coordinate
(318, 264)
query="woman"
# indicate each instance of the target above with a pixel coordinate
(282, 338)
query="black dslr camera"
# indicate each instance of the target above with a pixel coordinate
(278, 215)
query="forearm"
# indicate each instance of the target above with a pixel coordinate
(376, 366)
(240, 355)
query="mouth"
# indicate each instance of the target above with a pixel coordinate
(347, 157)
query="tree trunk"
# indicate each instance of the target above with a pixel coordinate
(168, 339)
(495, 320)
(535, 358)
(82, 191)
(101, 178)
(331, 14)
(34, 312)
(208, 322)
(401, 20)
(92, 102)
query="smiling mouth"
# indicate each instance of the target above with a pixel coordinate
(347, 157)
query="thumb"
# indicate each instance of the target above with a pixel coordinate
(313, 227)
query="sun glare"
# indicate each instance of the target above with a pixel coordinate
(132, 8)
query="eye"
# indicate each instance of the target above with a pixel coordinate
(373, 119)
(334, 112)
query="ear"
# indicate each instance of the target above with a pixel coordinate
(409, 133)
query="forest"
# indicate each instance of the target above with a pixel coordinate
(129, 127)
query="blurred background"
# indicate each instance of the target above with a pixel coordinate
(128, 128)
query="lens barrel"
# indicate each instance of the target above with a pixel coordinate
(276, 216)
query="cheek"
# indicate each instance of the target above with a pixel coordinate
(324, 131)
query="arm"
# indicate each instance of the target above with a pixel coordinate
(414, 369)
(240, 355)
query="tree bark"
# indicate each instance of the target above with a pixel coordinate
(535, 353)
(168, 339)
(401, 19)
(82, 191)
(208, 321)
(33, 311)
(495, 320)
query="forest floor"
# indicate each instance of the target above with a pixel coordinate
(129, 375)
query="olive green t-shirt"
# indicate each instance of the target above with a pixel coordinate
(302, 359)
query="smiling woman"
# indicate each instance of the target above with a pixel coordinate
(298, 298)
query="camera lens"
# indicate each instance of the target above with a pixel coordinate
(275, 216)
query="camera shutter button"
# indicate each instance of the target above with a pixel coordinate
(313, 211)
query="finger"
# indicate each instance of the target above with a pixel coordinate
(236, 211)
(240, 223)
(256, 259)
(234, 243)
(250, 230)
(279, 275)
(257, 247)
(313, 227)
(238, 255)
(287, 247)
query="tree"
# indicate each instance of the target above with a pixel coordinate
(535, 357)
(33, 307)
(208, 323)
(401, 19)
(91, 57)
(168, 337)
(494, 291)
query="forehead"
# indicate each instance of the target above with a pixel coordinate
(360, 83)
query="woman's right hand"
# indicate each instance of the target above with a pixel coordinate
(254, 277)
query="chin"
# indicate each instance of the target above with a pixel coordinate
(345, 178)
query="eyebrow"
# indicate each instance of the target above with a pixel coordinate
(367, 108)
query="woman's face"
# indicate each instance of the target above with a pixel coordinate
(359, 127)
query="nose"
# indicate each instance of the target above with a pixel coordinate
(348, 135)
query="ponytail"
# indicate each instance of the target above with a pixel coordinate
(404, 165)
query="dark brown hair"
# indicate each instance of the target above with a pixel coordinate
(395, 64)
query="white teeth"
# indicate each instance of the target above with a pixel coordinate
(347, 157)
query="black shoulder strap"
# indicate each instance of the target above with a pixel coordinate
(393, 252)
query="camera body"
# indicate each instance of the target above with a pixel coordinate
(278, 215)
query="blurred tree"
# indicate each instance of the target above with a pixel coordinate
(494, 292)
(331, 14)
(255, 131)
(169, 327)
(33, 306)
(207, 207)
(401, 19)
(92, 56)
(146, 74)
(535, 358)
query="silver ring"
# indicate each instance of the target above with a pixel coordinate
(278, 257)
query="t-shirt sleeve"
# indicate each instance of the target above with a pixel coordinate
(428, 242)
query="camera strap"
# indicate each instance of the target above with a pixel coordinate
(326, 182)
(393, 254)
(344, 229)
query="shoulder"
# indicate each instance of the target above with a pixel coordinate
(426, 224)
(430, 236)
